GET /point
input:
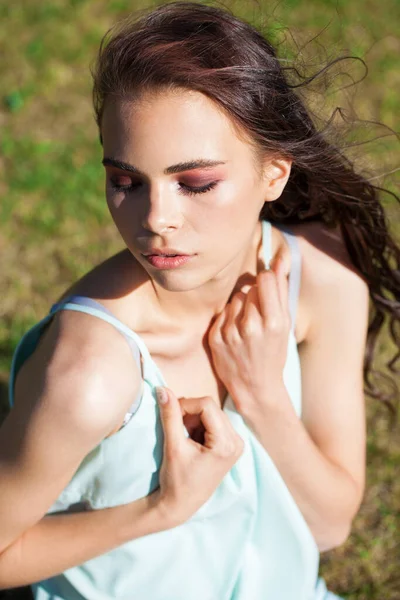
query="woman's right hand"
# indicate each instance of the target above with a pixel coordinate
(191, 471)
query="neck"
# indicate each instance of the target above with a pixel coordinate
(203, 303)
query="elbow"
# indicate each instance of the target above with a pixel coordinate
(338, 533)
(11, 567)
(335, 537)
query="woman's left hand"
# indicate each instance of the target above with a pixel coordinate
(249, 340)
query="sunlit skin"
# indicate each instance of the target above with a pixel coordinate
(243, 351)
(220, 226)
(248, 341)
(91, 380)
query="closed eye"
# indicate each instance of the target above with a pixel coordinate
(198, 190)
(123, 188)
(186, 189)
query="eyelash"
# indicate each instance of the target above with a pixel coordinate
(191, 191)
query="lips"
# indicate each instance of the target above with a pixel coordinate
(159, 254)
(168, 262)
(164, 252)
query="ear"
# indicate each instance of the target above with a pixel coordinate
(276, 174)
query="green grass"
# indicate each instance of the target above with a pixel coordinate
(55, 225)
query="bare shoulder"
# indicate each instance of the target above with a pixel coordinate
(328, 274)
(111, 280)
(119, 284)
(83, 367)
(321, 245)
(71, 393)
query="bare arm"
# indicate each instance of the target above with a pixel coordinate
(59, 542)
(63, 410)
(322, 457)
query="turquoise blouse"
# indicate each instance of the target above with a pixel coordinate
(249, 541)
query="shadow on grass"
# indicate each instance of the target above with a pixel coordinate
(17, 594)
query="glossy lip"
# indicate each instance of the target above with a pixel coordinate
(167, 262)
(158, 251)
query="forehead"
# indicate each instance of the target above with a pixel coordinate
(172, 120)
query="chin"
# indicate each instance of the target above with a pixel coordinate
(178, 281)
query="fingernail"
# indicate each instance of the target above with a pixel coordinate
(162, 395)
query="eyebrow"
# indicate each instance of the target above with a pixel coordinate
(190, 165)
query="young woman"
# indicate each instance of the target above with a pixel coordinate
(253, 332)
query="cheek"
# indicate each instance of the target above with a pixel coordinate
(114, 201)
(119, 203)
(217, 210)
(231, 222)
(240, 195)
(237, 207)
(117, 207)
(123, 213)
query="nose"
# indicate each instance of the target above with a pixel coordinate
(163, 211)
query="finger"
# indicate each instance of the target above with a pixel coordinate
(194, 426)
(251, 312)
(211, 415)
(283, 284)
(281, 270)
(214, 334)
(268, 295)
(281, 267)
(171, 417)
(262, 265)
(234, 316)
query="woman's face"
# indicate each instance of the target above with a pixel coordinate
(178, 176)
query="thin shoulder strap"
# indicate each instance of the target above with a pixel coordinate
(295, 270)
(92, 307)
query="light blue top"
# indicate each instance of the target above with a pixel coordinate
(249, 541)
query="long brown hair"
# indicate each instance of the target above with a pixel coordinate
(208, 49)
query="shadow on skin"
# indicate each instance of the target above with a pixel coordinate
(125, 278)
(23, 593)
(4, 408)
